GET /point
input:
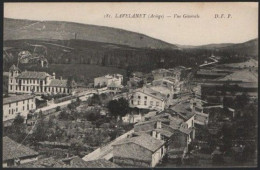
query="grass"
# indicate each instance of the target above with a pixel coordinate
(83, 73)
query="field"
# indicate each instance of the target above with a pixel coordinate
(83, 73)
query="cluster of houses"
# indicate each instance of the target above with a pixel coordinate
(166, 130)
(156, 135)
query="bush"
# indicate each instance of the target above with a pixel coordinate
(58, 109)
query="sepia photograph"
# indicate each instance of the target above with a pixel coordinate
(130, 85)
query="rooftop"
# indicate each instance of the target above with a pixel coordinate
(58, 83)
(33, 75)
(241, 75)
(12, 150)
(146, 141)
(17, 98)
(183, 110)
(101, 163)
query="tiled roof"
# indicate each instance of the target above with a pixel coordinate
(164, 132)
(146, 141)
(182, 109)
(58, 83)
(150, 114)
(77, 162)
(33, 75)
(17, 98)
(101, 163)
(242, 75)
(72, 162)
(11, 150)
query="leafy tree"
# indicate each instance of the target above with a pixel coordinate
(118, 107)
(58, 109)
(242, 100)
(18, 120)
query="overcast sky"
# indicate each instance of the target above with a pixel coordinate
(242, 27)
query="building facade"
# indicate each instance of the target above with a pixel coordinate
(36, 82)
(146, 98)
(104, 81)
(20, 104)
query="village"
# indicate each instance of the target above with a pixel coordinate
(175, 117)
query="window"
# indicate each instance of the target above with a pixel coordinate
(9, 112)
(16, 103)
(157, 103)
(139, 97)
(132, 101)
(145, 103)
(16, 87)
(11, 81)
(23, 107)
(23, 102)
(138, 102)
(10, 87)
(16, 109)
(145, 97)
(9, 104)
(23, 88)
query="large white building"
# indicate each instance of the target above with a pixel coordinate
(145, 98)
(20, 104)
(107, 80)
(37, 82)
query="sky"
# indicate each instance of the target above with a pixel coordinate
(240, 27)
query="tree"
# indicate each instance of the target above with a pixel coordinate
(18, 120)
(58, 109)
(242, 100)
(118, 107)
(40, 130)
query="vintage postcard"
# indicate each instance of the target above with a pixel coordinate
(130, 85)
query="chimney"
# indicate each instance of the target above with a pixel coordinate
(154, 134)
(158, 125)
(53, 75)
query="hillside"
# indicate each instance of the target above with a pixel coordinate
(249, 48)
(15, 29)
